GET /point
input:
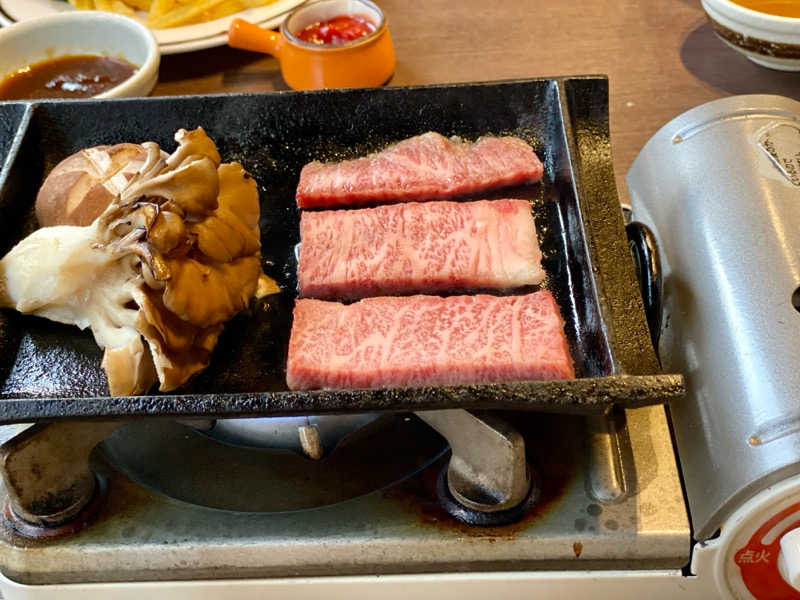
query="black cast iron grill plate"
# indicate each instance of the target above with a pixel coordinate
(50, 371)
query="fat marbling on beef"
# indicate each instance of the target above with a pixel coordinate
(426, 167)
(418, 247)
(426, 340)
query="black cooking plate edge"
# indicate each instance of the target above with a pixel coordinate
(52, 372)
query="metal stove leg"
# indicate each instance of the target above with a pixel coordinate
(46, 473)
(488, 476)
(606, 481)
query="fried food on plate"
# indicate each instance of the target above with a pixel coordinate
(161, 14)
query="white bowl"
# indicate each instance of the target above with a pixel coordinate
(767, 40)
(84, 32)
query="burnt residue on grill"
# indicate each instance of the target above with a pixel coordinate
(553, 453)
(108, 507)
(27, 534)
(44, 364)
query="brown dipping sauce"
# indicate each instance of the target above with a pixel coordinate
(80, 76)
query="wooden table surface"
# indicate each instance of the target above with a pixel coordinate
(661, 57)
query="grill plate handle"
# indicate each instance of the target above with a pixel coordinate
(644, 248)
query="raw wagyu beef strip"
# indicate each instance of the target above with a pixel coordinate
(426, 340)
(426, 167)
(418, 247)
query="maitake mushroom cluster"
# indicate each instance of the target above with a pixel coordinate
(174, 255)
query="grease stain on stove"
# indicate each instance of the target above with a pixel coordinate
(118, 515)
(580, 524)
(594, 510)
(612, 525)
(555, 469)
(577, 548)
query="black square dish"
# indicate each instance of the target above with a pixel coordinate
(50, 371)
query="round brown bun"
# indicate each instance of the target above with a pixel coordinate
(81, 186)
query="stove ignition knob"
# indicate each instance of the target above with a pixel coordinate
(789, 558)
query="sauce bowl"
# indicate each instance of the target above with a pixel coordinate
(768, 40)
(365, 61)
(84, 32)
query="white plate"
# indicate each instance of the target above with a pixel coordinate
(181, 47)
(192, 45)
(209, 42)
(20, 10)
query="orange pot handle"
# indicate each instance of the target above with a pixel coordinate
(248, 36)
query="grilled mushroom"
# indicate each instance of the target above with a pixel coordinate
(171, 258)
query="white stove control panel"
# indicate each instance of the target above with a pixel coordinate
(757, 555)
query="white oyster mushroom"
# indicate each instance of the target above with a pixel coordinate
(56, 274)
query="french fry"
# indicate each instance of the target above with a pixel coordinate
(227, 7)
(159, 8)
(182, 14)
(162, 14)
(118, 6)
(139, 4)
(256, 3)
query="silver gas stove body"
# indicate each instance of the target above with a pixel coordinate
(610, 497)
(727, 229)
(719, 187)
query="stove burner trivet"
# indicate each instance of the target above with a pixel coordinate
(72, 525)
(487, 519)
(488, 472)
(51, 488)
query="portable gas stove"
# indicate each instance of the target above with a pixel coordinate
(240, 487)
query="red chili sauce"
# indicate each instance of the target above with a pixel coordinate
(338, 30)
(80, 76)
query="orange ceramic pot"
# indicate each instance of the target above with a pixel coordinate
(366, 61)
